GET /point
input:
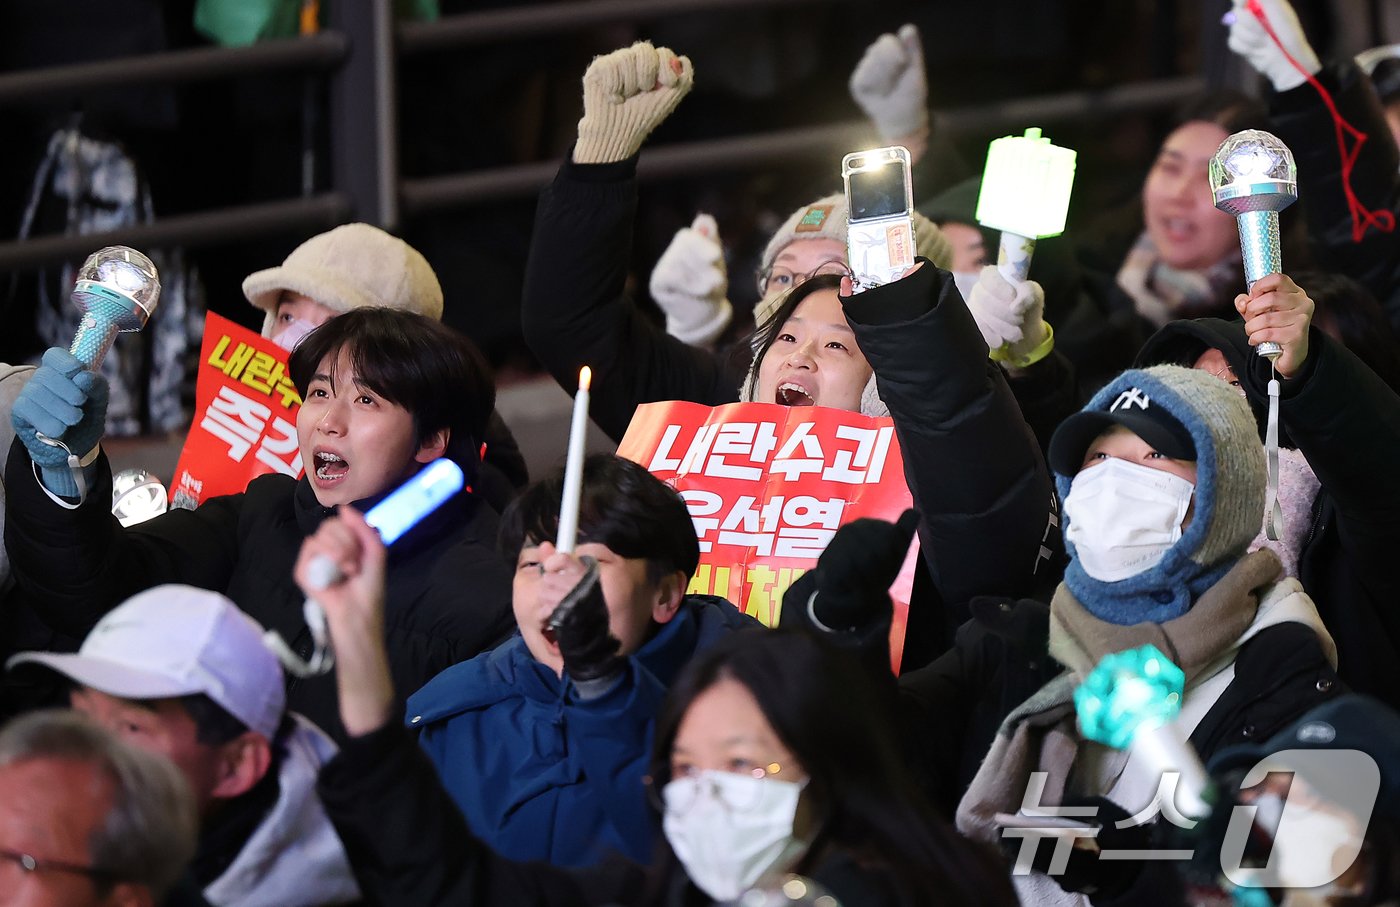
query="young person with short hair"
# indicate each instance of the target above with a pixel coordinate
(385, 393)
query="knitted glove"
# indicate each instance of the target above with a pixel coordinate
(626, 94)
(1249, 39)
(855, 571)
(1010, 316)
(890, 85)
(67, 403)
(580, 625)
(689, 282)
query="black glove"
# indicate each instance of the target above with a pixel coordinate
(854, 573)
(1086, 871)
(580, 625)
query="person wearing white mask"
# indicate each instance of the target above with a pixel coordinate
(770, 757)
(1162, 477)
(1339, 425)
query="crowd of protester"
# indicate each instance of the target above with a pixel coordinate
(257, 701)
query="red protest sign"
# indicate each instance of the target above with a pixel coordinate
(767, 486)
(245, 415)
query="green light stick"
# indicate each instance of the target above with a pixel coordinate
(1132, 698)
(1025, 194)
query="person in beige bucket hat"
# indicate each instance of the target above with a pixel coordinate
(350, 267)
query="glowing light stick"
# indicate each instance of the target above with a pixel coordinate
(573, 467)
(1025, 194)
(117, 289)
(137, 496)
(399, 512)
(1132, 699)
(1253, 177)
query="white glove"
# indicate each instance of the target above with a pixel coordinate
(890, 85)
(1010, 316)
(690, 281)
(626, 94)
(1249, 39)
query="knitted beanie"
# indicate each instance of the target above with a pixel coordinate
(350, 267)
(1229, 497)
(825, 218)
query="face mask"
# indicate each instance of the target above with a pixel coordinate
(1306, 847)
(1123, 517)
(727, 829)
(965, 281)
(293, 334)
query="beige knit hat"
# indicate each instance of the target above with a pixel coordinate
(825, 218)
(350, 267)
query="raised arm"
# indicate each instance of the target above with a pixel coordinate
(575, 311)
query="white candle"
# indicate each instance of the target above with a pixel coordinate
(573, 467)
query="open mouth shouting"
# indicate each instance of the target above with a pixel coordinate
(790, 393)
(329, 468)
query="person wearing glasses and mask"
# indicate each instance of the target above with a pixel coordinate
(909, 349)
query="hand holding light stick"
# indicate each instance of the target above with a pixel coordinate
(1025, 194)
(1254, 178)
(573, 467)
(1132, 698)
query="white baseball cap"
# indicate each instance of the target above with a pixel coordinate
(173, 641)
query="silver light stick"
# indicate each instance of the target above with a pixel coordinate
(117, 290)
(1253, 177)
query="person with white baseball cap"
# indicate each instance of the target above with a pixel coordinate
(183, 673)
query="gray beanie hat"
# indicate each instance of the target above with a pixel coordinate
(350, 267)
(1229, 496)
(825, 218)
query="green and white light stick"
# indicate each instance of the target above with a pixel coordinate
(1025, 194)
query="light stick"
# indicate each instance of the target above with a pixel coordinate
(573, 467)
(1253, 177)
(117, 289)
(1132, 699)
(1025, 194)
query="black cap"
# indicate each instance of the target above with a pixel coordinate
(1349, 722)
(1134, 411)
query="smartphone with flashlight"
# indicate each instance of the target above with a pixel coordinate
(880, 227)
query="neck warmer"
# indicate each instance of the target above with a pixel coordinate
(1161, 293)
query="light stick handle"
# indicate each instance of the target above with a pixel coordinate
(1165, 749)
(1014, 256)
(1263, 255)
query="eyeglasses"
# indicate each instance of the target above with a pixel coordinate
(778, 279)
(30, 864)
(680, 794)
(1227, 374)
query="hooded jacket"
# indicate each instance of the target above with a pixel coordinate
(541, 774)
(1346, 423)
(1253, 649)
(448, 591)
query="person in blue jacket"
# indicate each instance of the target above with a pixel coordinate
(543, 742)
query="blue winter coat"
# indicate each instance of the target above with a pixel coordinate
(541, 775)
